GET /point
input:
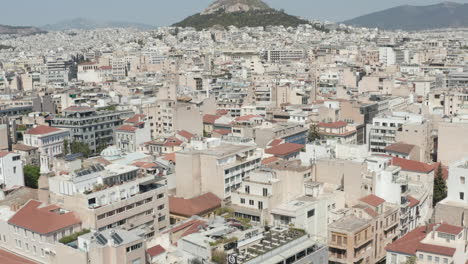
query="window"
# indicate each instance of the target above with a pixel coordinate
(445, 260)
(421, 256)
(429, 258)
(251, 202)
(134, 247)
(310, 213)
(437, 259)
(242, 200)
(42, 252)
(161, 218)
(462, 196)
(247, 189)
(265, 192)
(462, 180)
(136, 261)
(260, 205)
(161, 207)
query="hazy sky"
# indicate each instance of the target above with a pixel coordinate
(166, 12)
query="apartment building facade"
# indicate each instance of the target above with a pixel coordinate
(11, 170)
(49, 141)
(86, 125)
(215, 165)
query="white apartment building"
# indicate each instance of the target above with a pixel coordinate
(457, 183)
(11, 170)
(132, 134)
(267, 188)
(436, 243)
(454, 208)
(390, 56)
(383, 130)
(113, 196)
(49, 141)
(215, 165)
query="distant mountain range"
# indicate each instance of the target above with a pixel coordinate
(5, 29)
(407, 17)
(87, 24)
(240, 13)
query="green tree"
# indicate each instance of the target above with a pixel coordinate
(80, 147)
(66, 147)
(218, 257)
(411, 260)
(31, 176)
(313, 134)
(440, 186)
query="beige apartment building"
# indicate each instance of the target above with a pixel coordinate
(385, 218)
(351, 240)
(268, 187)
(166, 117)
(35, 229)
(453, 142)
(215, 165)
(421, 135)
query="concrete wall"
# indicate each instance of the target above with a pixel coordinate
(453, 142)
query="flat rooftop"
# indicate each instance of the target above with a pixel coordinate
(349, 224)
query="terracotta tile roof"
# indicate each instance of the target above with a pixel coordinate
(185, 134)
(222, 112)
(410, 243)
(41, 219)
(5, 153)
(126, 128)
(10, 258)
(372, 200)
(41, 130)
(400, 147)
(284, 149)
(172, 142)
(155, 251)
(371, 212)
(135, 119)
(222, 131)
(189, 227)
(22, 147)
(145, 165)
(412, 201)
(245, 118)
(336, 124)
(439, 250)
(269, 160)
(210, 119)
(412, 165)
(275, 142)
(170, 157)
(449, 229)
(194, 206)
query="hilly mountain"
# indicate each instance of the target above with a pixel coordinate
(4, 29)
(87, 24)
(240, 13)
(407, 17)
